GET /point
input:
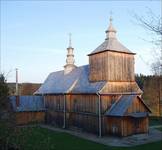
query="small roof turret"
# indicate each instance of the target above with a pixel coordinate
(111, 42)
(70, 43)
(110, 32)
(70, 58)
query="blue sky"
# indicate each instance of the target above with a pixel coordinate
(34, 34)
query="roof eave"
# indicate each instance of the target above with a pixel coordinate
(144, 104)
(111, 51)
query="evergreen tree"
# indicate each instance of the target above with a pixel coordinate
(3, 93)
(140, 80)
(7, 124)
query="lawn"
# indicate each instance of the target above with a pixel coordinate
(153, 121)
(37, 138)
(159, 128)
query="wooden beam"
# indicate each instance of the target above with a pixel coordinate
(64, 125)
(99, 116)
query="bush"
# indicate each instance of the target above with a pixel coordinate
(7, 121)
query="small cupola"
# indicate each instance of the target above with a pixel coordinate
(110, 32)
(70, 58)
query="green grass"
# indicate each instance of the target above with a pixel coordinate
(159, 128)
(153, 121)
(36, 138)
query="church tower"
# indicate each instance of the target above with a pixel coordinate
(70, 58)
(111, 61)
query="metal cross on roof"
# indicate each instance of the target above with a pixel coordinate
(70, 44)
(111, 16)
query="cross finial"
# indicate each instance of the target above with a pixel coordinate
(111, 16)
(70, 40)
(110, 32)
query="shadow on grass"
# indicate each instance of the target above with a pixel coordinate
(153, 121)
(37, 138)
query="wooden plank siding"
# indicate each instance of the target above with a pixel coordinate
(54, 118)
(111, 126)
(83, 122)
(82, 114)
(107, 101)
(79, 108)
(124, 126)
(55, 107)
(136, 107)
(54, 102)
(74, 103)
(23, 118)
(83, 103)
(121, 87)
(131, 126)
(111, 66)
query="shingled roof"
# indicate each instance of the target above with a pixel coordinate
(74, 82)
(120, 107)
(28, 103)
(111, 43)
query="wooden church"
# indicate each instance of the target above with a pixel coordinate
(101, 97)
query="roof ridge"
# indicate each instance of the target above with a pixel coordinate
(144, 103)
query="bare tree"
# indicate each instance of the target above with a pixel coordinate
(156, 68)
(153, 24)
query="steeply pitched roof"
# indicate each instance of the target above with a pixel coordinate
(120, 107)
(28, 103)
(111, 43)
(84, 86)
(74, 82)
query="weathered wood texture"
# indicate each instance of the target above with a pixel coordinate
(83, 103)
(111, 125)
(124, 126)
(79, 103)
(54, 102)
(134, 125)
(82, 114)
(81, 111)
(74, 103)
(107, 101)
(83, 122)
(121, 87)
(54, 118)
(29, 117)
(111, 66)
(55, 107)
(136, 107)
(153, 94)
